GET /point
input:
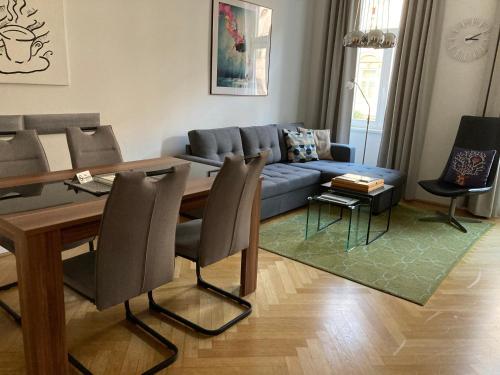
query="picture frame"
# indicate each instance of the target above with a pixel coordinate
(241, 48)
(33, 47)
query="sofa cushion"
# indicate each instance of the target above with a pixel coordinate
(281, 136)
(281, 178)
(256, 139)
(330, 169)
(216, 144)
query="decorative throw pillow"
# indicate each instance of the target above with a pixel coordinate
(469, 168)
(322, 142)
(301, 146)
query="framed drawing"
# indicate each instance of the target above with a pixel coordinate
(241, 47)
(33, 42)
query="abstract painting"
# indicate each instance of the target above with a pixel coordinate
(33, 42)
(241, 47)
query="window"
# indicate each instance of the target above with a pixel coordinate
(373, 75)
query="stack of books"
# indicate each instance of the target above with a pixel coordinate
(358, 183)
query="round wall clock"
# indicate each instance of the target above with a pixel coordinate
(468, 40)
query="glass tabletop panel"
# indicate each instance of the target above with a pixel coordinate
(37, 196)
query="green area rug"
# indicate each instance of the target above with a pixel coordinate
(409, 261)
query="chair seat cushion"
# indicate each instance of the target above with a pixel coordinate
(445, 189)
(330, 169)
(79, 274)
(187, 239)
(281, 178)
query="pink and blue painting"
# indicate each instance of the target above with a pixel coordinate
(241, 44)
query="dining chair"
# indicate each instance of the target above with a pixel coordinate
(22, 154)
(223, 231)
(474, 133)
(136, 247)
(89, 149)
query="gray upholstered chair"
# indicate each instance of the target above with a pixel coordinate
(92, 149)
(21, 154)
(136, 246)
(223, 231)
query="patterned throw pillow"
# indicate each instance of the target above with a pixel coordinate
(469, 168)
(301, 146)
(322, 142)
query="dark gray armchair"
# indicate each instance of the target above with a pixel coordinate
(474, 133)
(136, 247)
(92, 149)
(223, 231)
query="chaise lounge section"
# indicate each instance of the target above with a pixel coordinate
(285, 185)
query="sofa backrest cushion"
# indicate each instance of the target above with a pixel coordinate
(281, 137)
(257, 139)
(216, 144)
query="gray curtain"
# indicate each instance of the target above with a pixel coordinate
(488, 205)
(339, 66)
(411, 88)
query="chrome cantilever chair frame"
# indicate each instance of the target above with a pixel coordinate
(205, 285)
(206, 242)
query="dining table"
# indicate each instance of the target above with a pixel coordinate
(41, 214)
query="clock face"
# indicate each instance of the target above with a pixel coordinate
(468, 40)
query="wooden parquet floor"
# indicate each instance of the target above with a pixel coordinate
(305, 321)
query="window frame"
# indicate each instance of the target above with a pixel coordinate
(383, 92)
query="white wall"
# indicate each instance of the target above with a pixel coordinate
(456, 92)
(144, 65)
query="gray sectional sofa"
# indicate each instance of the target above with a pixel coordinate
(285, 186)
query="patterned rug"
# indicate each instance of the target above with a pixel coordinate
(410, 261)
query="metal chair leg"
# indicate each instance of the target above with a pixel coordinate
(135, 320)
(451, 218)
(203, 284)
(9, 310)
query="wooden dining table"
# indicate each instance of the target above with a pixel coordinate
(39, 236)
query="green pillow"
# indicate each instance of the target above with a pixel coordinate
(301, 146)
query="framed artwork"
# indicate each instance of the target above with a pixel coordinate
(33, 42)
(241, 48)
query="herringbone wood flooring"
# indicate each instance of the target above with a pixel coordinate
(305, 321)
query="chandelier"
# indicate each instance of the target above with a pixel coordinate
(372, 18)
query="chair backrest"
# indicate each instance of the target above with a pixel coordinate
(136, 247)
(22, 155)
(92, 149)
(225, 228)
(481, 134)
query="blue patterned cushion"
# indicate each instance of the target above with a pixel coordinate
(301, 146)
(469, 168)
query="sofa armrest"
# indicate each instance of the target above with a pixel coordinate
(343, 152)
(197, 159)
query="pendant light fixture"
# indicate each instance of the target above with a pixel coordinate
(374, 16)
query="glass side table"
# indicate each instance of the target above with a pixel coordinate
(361, 226)
(323, 213)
